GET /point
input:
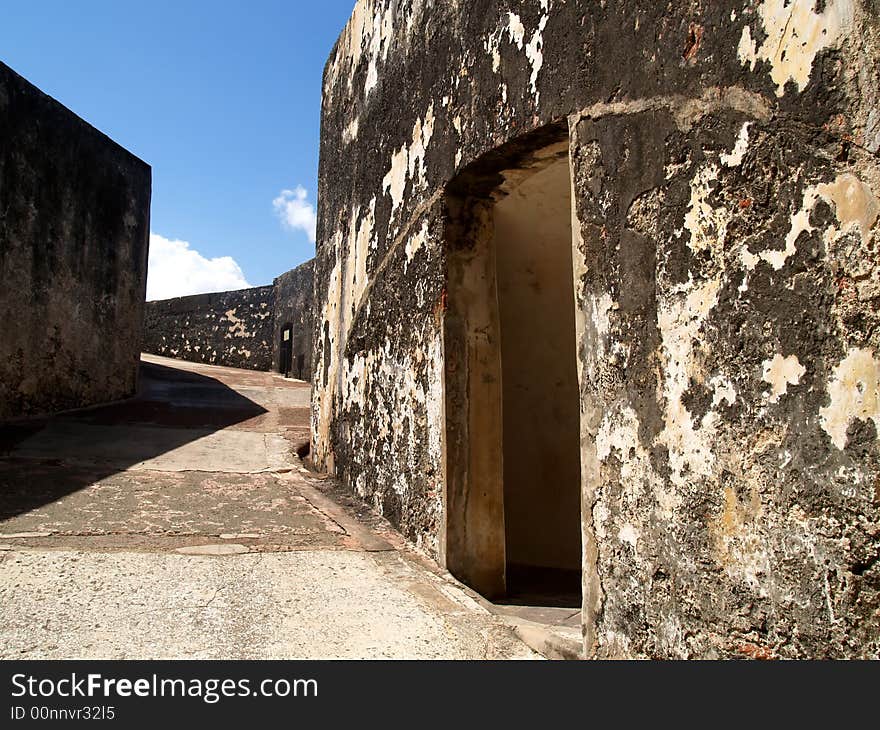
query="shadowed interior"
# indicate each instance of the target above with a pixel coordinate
(541, 431)
(513, 513)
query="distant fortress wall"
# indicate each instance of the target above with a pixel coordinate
(263, 328)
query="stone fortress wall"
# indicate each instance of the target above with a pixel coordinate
(241, 329)
(74, 237)
(723, 177)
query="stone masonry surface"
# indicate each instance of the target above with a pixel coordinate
(74, 234)
(726, 192)
(233, 328)
(242, 329)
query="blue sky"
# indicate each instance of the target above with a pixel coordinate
(223, 99)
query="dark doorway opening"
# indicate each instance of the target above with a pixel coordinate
(540, 395)
(285, 350)
(513, 486)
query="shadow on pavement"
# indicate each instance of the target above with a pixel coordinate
(44, 460)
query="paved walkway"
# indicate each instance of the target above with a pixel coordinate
(181, 524)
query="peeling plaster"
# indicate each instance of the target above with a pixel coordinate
(234, 328)
(740, 546)
(535, 54)
(408, 162)
(619, 433)
(854, 393)
(350, 133)
(707, 225)
(693, 542)
(800, 223)
(734, 158)
(237, 328)
(680, 320)
(780, 372)
(385, 370)
(515, 31)
(795, 35)
(722, 391)
(855, 206)
(327, 362)
(394, 182)
(359, 243)
(629, 535)
(368, 32)
(415, 242)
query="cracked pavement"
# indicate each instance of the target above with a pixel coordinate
(181, 524)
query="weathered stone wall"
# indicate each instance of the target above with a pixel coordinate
(725, 183)
(74, 234)
(293, 306)
(233, 328)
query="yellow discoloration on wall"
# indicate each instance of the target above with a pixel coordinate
(795, 35)
(740, 546)
(854, 392)
(855, 204)
(780, 372)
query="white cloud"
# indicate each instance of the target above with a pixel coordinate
(296, 212)
(176, 270)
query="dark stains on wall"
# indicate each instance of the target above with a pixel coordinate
(723, 499)
(233, 328)
(726, 189)
(74, 236)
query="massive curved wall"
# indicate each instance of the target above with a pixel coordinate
(725, 184)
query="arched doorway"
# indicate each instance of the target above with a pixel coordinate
(513, 516)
